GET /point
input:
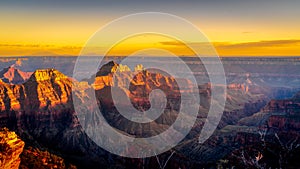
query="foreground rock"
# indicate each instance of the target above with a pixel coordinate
(10, 149)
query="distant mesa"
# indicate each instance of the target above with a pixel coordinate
(13, 75)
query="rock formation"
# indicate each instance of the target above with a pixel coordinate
(13, 75)
(41, 110)
(10, 149)
(45, 88)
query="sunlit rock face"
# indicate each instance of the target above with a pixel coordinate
(44, 89)
(13, 75)
(115, 75)
(10, 149)
(41, 110)
(45, 97)
(50, 86)
(41, 103)
(9, 95)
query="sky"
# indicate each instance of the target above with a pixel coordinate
(235, 28)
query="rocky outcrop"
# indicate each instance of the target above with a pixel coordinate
(277, 114)
(10, 149)
(284, 114)
(36, 158)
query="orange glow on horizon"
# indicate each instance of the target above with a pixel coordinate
(64, 35)
(259, 48)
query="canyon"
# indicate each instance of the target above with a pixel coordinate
(40, 110)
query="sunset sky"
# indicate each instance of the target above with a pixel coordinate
(236, 28)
